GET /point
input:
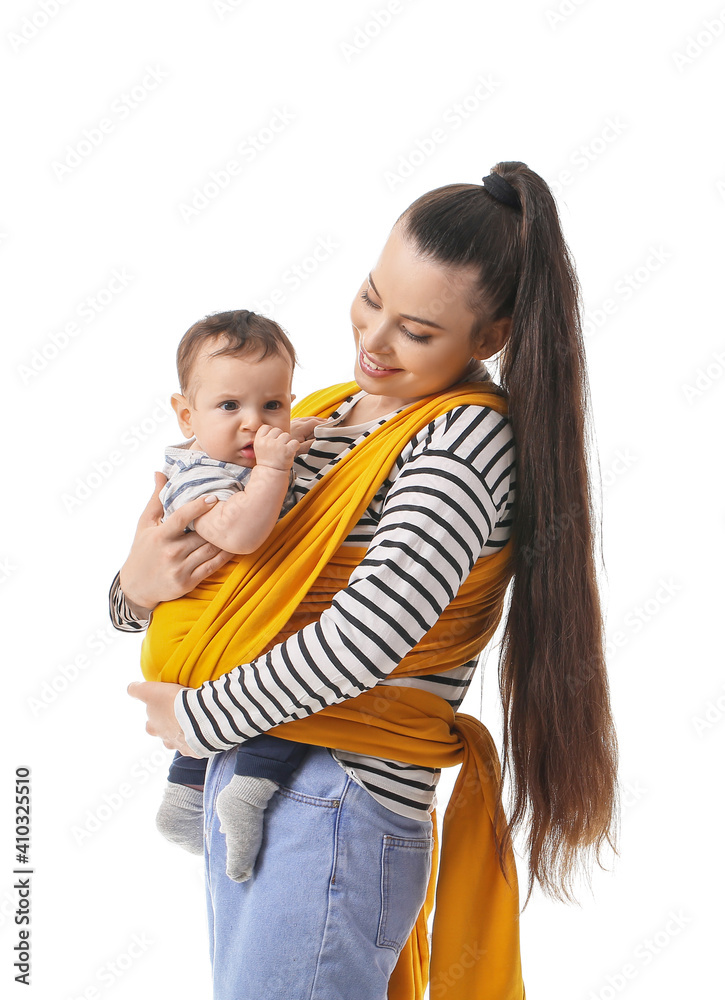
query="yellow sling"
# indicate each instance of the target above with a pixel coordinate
(258, 600)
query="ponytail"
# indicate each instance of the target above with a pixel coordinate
(559, 743)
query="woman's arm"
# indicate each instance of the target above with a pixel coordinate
(437, 515)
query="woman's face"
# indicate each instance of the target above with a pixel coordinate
(412, 326)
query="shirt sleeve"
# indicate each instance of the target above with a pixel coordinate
(197, 480)
(440, 510)
(122, 617)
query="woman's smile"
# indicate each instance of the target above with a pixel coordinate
(371, 367)
(413, 329)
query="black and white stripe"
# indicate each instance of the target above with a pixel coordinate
(121, 614)
(447, 501)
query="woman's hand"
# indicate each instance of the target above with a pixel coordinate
(165, 562)
(159, 700)
(302, 429)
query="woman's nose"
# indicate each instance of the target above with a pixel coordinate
(375, 338)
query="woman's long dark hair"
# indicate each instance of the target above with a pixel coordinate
(558, 733)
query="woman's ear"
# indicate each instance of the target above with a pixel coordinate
(183, 414)
(491, 339)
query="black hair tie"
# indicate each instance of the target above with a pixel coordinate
(501, 190)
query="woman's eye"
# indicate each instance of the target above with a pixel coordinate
(413, 336)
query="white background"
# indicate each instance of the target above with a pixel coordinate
(619, 106)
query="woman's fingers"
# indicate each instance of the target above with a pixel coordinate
(184, 515)
(303, 427)
(154, 509)
(162, 722)
(164, 558)
(210, 561)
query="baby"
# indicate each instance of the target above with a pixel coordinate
(235, 374)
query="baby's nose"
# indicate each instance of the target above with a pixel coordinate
(251, 420)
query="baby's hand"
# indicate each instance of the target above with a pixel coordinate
(274, 448)
(302, 429)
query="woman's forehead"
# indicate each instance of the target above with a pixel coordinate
(412, 284)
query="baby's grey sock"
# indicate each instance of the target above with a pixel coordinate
(240, 807)
(181, 817)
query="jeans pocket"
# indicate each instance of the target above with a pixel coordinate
(406, 866)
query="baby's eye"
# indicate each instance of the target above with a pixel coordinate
(273, 404)
(228, 405)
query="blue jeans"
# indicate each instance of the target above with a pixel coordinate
(337, 887)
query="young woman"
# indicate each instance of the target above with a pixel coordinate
(468, 272)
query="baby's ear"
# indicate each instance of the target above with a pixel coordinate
(181, 408)
(292, 398)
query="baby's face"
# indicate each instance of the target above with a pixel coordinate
(233, 397)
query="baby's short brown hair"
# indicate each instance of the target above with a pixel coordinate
(242, 331)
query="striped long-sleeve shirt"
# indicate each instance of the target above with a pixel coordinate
(448, 500)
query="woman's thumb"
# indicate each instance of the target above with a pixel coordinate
(154, 509)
